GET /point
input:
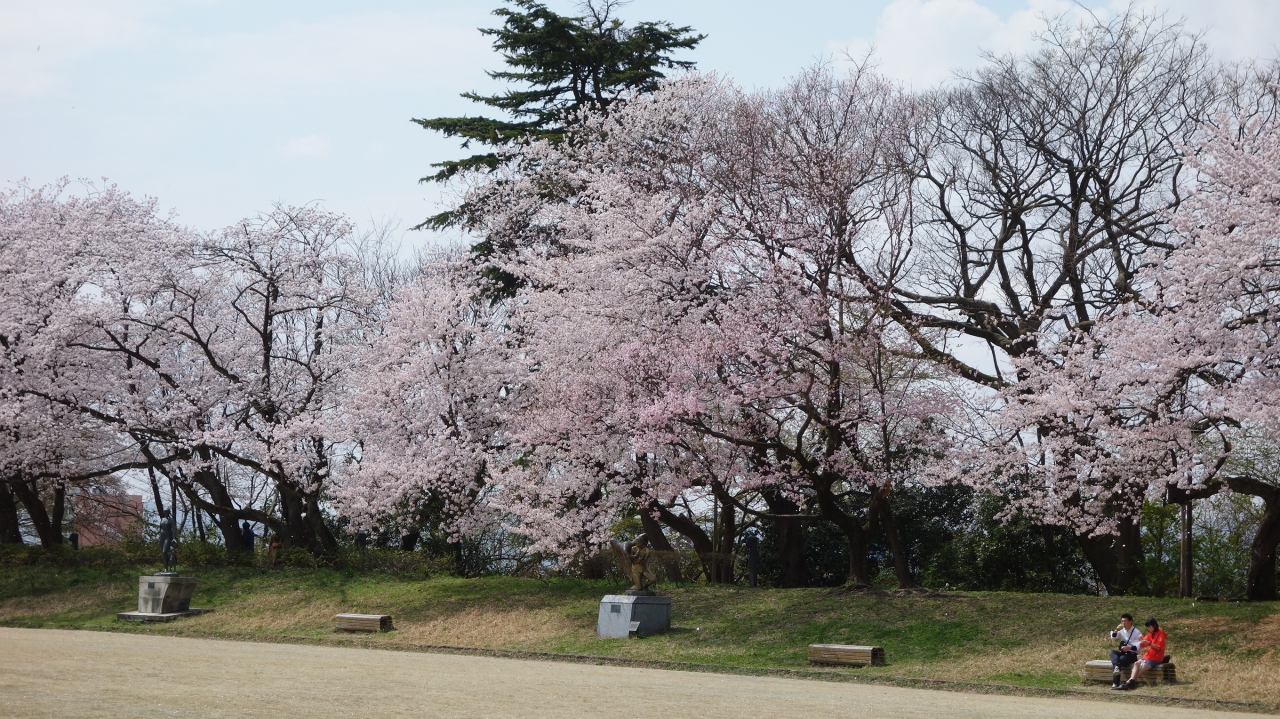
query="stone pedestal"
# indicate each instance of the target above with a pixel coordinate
(163, 597)
(621, 614)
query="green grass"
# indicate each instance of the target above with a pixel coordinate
(1026, 640)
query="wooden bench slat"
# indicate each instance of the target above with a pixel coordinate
(850, 655)
(363, 622)
(1099, 670)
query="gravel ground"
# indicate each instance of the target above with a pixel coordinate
(50, 673)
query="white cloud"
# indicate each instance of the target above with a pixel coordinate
(923, 42)
(379, 51)
(41, 41)
(314, 145)
(1235, 29)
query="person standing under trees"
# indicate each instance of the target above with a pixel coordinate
(273, 548)
(1130, 639)
(247, 535)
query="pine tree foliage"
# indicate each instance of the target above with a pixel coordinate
(560, 64)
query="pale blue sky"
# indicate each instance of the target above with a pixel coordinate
(220, 108)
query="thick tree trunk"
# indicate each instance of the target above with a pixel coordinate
(728, 539)
(702, 544)
(1260, 583)
(859, 576)
(725, 532)
(658, 540)
(409, 541)
(855, 535)
(788, 537)
(220, 507)
(593, 567)
(302, 524)
(226, 521)
(323, 535)
(46, 520)
(1115, 558)
(10, 528)
(896, 547)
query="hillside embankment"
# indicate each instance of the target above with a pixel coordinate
(973, 641)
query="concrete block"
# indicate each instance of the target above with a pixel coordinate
(165, 593)
(162, 598)
(620, 612)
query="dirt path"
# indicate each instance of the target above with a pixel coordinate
(49, 673)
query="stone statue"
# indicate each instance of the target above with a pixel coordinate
(634, 558)
(168, 541)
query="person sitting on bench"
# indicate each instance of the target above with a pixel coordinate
(1154, 642)
(1127, 654)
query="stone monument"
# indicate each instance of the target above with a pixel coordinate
(164, 596)
(639, 610)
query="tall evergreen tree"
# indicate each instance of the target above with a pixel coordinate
(563, 63)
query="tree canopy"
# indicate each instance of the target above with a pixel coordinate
(560, 64)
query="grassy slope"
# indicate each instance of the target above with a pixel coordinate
(1223, 651)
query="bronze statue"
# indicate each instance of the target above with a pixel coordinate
(634, 558)
(168, 541)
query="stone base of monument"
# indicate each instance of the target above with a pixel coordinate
(641, 613)
(163, 597)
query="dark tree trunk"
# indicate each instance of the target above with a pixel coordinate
(724, 529)
(302, 523)
(1186, 565)
(46, 520)
(1260, 584)
(409, 541)
(10, 529)
(899, 551)
(220, 507)
(155, 489)
(701, 542)
(788, 537)
(323, 539)
(854, 532)
(226, 521)
(293, 530)
(1261, 581)
(229, 528)
(1115, 558)
(658, 540)
(728, 534)
(593, 567)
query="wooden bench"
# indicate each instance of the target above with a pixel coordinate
(854, 656)
(363, 623)
(1099, 670)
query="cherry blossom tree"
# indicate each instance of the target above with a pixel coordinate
(696, 315)
(1152, 399)
(1209, 324)
(1045, 182)
(220, 357)
(52, 245)
(425, 410)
